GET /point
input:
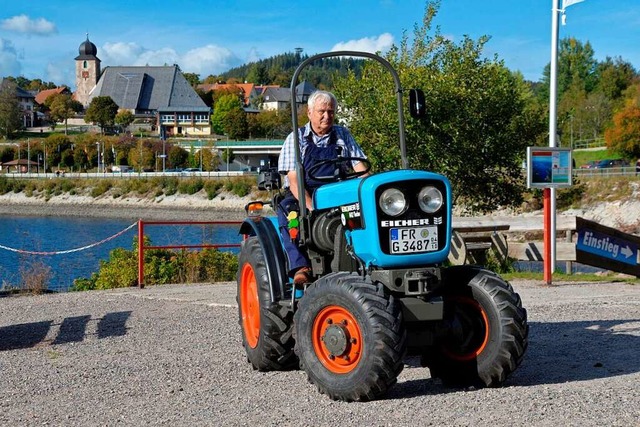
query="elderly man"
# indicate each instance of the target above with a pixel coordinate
(319, 140)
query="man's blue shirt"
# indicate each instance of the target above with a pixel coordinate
(344, 139)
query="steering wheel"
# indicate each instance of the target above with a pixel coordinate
(340, 173)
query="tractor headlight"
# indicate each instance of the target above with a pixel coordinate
(392, 202)
(430, 199)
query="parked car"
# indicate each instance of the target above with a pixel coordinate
(190, 170)
(612, 163)
(589, 165)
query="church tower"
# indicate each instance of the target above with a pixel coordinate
(87, 71)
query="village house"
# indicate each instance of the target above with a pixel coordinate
(27, 104)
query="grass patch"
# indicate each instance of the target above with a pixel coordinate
(576, 277)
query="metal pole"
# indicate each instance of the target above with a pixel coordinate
(550, 225)
(140, 254)
(547, 270)
(164, 156)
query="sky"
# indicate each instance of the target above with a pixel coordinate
(40, 38)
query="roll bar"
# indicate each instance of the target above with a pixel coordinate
(294, 119)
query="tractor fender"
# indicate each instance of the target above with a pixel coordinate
(267, 233)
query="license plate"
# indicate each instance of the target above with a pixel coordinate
(410, 240)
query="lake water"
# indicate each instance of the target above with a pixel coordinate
(65, 234)
(60, 234)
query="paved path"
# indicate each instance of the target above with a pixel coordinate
(171, 355)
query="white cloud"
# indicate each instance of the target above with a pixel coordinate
(120, 53)
(24, 24)
(206, 60)
(381, 43)
(9, 63)
(209, 59)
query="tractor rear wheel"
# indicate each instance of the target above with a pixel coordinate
(350, 338)
(485, 332)
(266, 327)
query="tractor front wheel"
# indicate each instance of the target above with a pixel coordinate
(349, 337)
(266, 327)
(485, 333)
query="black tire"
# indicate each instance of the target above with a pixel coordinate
(486, 333)
(266, 328)
(350, 337)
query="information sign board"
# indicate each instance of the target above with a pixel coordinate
(549, 167)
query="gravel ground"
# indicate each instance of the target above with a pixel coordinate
(172, 355)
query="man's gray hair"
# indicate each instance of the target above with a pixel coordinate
(323, 96)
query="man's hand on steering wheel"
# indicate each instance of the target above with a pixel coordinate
(340, 172)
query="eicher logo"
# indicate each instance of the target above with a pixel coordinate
(351, 216)
(404, 222)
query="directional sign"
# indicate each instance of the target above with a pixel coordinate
(607, 247)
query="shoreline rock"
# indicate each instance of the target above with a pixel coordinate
(167, 208)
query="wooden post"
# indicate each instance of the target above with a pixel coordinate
(569, 264)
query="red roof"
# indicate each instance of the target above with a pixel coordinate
(43, 95)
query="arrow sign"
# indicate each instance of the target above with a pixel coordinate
(607, 247)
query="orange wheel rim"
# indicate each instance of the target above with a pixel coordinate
(249, 305)
(476, 335)
(337, 339)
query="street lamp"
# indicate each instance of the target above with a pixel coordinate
(98, 144)
(549, 194)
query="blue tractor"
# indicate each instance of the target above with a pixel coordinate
(381, 292)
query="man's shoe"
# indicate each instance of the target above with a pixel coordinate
(302, 276)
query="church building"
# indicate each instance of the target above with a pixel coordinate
(159, 93)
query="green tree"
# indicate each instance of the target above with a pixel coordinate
(258, 74)
(210, 161)
(227, 155)
(124, 118)
(62, 107)
(192, 78)
(7, 154)
(80, 159)
(480, 116)
(10, 111)
(222, 107)
(177, 156)
(142, 156)
(614, 77)
(67, 159)
(576, 62)
(102, 111)
(235, 124)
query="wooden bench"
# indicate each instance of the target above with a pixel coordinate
(471, 244)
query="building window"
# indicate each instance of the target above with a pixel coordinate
(202, 118)
(168, 118)
(184, 118)
(84, 64)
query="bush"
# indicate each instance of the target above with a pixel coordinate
(240, 187)
(160, 267)
(191, 186)
(212, 188)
